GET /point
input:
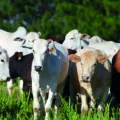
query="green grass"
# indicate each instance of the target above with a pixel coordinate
(20, 108)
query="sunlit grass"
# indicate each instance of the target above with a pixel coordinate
(20, 107)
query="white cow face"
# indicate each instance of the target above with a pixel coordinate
(40, 50)
(73, 40)
(87, 63)
(26, 46)
(4, 65)
(23, 47)
(30, 38)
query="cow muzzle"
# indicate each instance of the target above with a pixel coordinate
(38, 68)
(85, 78)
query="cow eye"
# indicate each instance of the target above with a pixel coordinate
(81, 63)
(2, 60)
(18, 39)
(72, 38)
(81, 47)
(95, 64)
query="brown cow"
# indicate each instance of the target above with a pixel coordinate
(115, 86)
(90, 77)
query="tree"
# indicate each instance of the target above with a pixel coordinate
(57, 18)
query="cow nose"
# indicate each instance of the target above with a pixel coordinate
(85, 78)
(38, 68)
(8, 78)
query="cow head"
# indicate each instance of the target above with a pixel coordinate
(31, 37)
(27, 45)
(87, 64)
(74, 40)
(40, 50)
(4, 65)
(18, 37)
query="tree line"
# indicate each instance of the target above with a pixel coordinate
(58, 17)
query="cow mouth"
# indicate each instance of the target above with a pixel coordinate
(86, 81)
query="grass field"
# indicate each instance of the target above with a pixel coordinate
(20, 108)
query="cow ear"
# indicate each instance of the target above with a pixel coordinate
(39, 34)
(102, 59)
(74, 58)
(84, 36)
(51, 47)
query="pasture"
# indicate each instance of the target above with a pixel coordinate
(21, 108)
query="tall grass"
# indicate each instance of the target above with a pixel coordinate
(17, 107)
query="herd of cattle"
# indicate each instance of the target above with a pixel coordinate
(91, 64)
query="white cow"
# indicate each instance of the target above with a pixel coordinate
(4, 65)
(110, 48)
(49, 70)
(9, 40)
(75, 40)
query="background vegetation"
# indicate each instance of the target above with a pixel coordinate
(58, 17)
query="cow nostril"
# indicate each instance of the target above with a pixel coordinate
(87, 78)
(8, 78)
(38, 68)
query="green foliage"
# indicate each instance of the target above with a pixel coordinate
(57, 18)
(20, 107)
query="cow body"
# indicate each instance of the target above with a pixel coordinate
(90, 77)
(94, 40)
(22, 68)
(110, 48)
(115, 86)
(49, 70)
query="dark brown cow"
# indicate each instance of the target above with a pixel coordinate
(115, 86)
(21, 68)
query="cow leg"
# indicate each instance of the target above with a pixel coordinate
(84, 105)
(72, 93)
(92, 104)
(60, 89)
(10, 86)
(42, 103)
(103, 99)
(21, 86)
(49, 102)
(35, 89)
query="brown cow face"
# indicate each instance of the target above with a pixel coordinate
(87, 64)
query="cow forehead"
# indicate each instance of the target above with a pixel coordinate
(32, 35)
(89, 57)
(40, 45)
